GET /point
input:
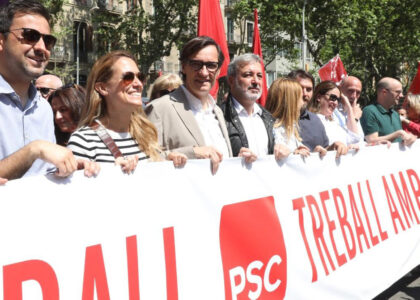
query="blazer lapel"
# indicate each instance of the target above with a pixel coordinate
(220, 117)
(181, 106)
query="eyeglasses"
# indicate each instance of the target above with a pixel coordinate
(332, 97)
(44, 90)
(128, 77)
(32, 36)
(197, 65)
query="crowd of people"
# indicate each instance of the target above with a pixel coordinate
(47, 127)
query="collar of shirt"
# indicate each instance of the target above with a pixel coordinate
(241, 110)
(382, 109)
(195, 103)
(6, 89)
(305, 115)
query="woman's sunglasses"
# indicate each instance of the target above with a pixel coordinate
(32, 36)
(128, 77)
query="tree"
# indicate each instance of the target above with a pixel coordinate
(150, 35)
(374, 38)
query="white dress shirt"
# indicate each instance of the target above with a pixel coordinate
(254, 127)
(207, 122)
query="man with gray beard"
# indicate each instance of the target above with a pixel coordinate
(249, 125)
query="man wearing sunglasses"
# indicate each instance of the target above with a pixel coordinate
(47, 84)
(27, 141)
(379, 120)
(188, 120)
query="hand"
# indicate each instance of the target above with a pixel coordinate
(408, 138)
(383, 142)
(353, 147)
(302, 151)
(340, 148)
(357, 111)
(281, 151)
(404, 120)
(177, 158)
(91, 168)
(209, 152)
(247, 155)
(321, 150)
(128, 164)
(62, 158)
(3, 181)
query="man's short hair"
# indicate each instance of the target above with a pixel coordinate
(8, 12)
(196, 44)
(241, 60)
(299, 73)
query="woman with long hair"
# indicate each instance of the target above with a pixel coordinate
(411, 123)
(284, 101)
(113, 126)
(67, 103)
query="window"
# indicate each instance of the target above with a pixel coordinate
(84, 42)
(250, 32)
(230, 30)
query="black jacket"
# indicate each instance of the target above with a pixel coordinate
(236, 131)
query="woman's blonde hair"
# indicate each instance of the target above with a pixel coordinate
(413, 102)
(282, 101)
(141, 129)
(166, 82)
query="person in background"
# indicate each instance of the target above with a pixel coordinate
(67, 103)
(188, 119)
(46, 84)
(311, 129)
(165, 84)
(411, 122)
(380, 121)
(324, 101)
(113, 127)
(285, 102)
(250, 126)
(401, 111)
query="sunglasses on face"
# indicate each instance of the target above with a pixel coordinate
(128, 77)
(32, 36)
(333, 97)
(44, 90)
(197, 65)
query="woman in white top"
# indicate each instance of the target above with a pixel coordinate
(324, 101)
(284, 101)
(113, 112)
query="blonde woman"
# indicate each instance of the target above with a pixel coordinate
(113, 126)
(165, 84)
(285, 101)
(411, 123)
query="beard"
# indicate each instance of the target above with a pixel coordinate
(246, 93)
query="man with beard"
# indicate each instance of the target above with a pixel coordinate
(27, 142)
(311, 129)
(250, 126)
(188, 119)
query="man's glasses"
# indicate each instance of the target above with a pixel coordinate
(333, 97)
(32, 36)
(197, 65)
(44, 90)
(128, 77)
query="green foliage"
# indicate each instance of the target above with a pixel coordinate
(374, 38)
(54, 7)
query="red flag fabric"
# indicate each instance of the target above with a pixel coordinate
(210, 23)
(333, 70)
(415, 84)
(256, 49)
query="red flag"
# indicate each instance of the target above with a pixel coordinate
(210, 23)
(333, 70)
(415, 84)
(256, 49)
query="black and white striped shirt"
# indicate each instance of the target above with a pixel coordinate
(85, 143)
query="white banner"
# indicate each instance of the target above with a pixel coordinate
(298, 229)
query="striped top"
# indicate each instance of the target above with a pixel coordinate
(85, 143)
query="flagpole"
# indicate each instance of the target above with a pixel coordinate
(303, 37)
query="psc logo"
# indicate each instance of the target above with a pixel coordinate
(253, 251)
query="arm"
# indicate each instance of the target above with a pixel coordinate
(375, 138)
(351, 119)
(412, 126)
(15, 165)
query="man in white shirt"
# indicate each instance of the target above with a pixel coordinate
(250, 126)
(188, 119)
